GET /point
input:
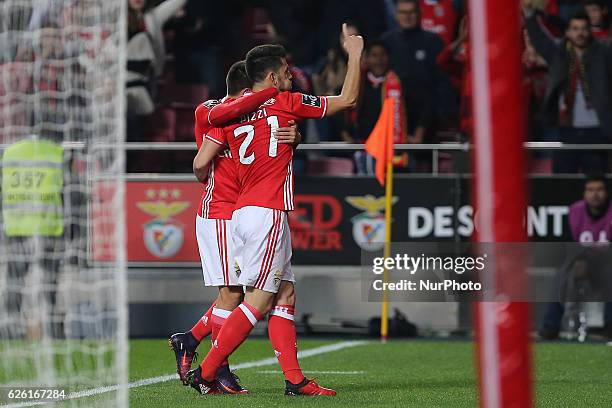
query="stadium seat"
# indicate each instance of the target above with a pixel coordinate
(542, 165)
(258, 21)
(163, 123)
(446, 164)
(181, 95)
(331, 166)
(185, 121)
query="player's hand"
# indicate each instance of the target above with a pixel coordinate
(288, 135)
(353, 44)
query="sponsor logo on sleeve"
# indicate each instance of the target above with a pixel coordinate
(311, 100)
(211, 103)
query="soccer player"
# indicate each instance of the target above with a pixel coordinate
(260, 227)
(212, 222)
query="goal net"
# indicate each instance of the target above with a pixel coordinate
(63, 301)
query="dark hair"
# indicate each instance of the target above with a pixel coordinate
(415, 2)
(237, 78)
(377, 43)
(263, 59)
(580, 15)
(599, 3)
(596, 177)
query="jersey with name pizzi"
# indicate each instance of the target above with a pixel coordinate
(221, 187)
(265, 166)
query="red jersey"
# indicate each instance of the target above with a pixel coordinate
(439, 17)
(600, 33)
(265, 166)
(221, 187)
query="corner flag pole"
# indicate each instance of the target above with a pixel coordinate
(384, 315)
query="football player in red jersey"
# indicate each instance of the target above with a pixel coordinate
(260, 227)
(212, 222)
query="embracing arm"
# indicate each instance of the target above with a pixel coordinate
(289, 135)
(207, 153)
(220, 114)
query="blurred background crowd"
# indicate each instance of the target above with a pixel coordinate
(424, 43)
(179, 51)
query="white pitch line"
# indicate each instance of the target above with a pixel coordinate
(163, 378)
(315, 372)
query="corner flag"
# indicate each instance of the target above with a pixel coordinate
(380, 142)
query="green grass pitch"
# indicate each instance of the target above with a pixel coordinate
(417, 373)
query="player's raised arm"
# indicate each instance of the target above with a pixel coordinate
(223, 113)
(208, 151)
(353, 45)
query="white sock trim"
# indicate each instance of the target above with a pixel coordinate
(222, 313)
(283, 314)
(248, 314)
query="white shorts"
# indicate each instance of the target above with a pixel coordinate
(216, 247)
(262, 241)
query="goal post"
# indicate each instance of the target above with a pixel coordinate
(502, 325)
(63, 313)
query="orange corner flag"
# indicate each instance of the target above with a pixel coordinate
(380, 142)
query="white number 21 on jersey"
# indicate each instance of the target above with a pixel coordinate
(250, 133)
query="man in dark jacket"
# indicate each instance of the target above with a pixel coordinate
(413, 54)
(577, 96)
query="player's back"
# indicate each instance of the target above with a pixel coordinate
(221, 187)
(264, 166)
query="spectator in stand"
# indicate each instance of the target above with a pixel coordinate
(454, 56)
(146, 52)
(590, 221)
(597, 12)
(577, 98)
(441, 17)
(454, 61)
(199, 36)
(378, 84)
(413, 54)
(535, 78)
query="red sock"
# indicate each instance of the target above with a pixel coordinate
(203, 327)
(235, 330)
(219, 316)
(281, 330)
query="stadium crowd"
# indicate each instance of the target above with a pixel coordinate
(180, 49)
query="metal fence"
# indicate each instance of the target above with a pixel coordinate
(435, 149)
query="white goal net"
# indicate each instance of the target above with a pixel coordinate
(63, 301)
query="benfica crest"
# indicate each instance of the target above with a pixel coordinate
(369, 226)
(163, 236)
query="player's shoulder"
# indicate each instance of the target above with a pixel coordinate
(282, 98)
(208, 105)
(202, 110)
(293, 98)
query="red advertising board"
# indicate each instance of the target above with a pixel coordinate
(333, 221)
(161, 221)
